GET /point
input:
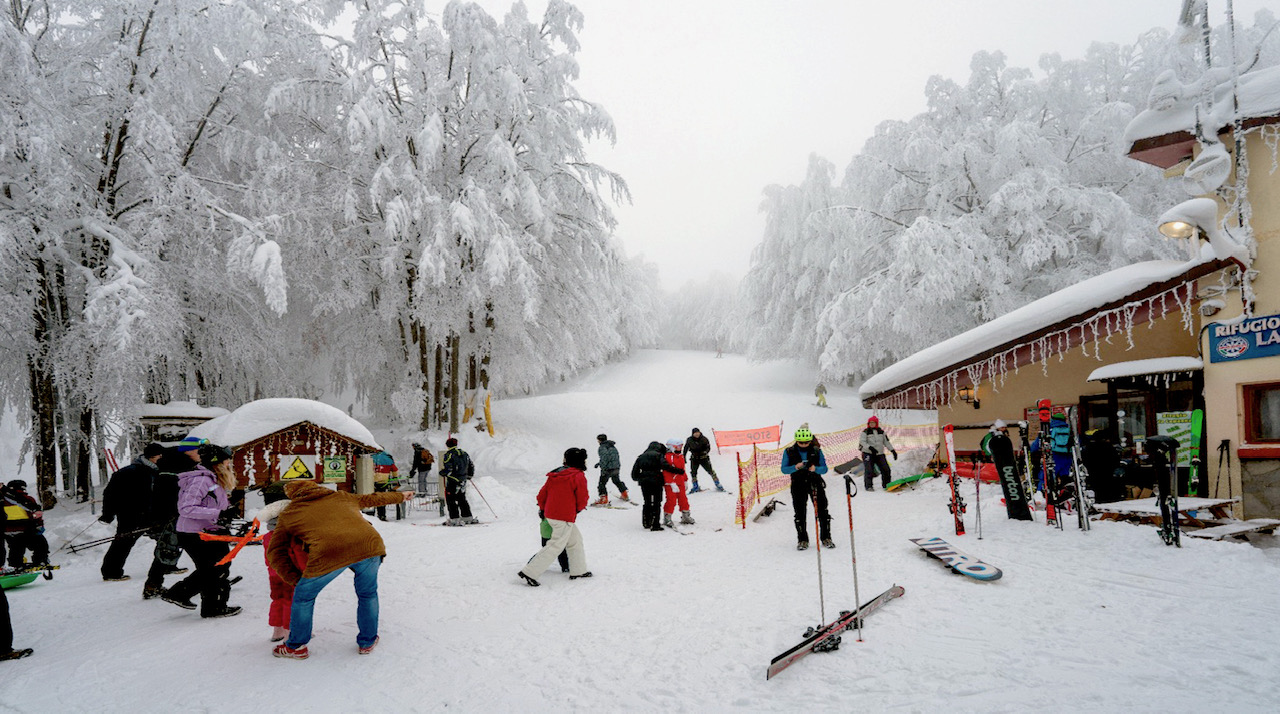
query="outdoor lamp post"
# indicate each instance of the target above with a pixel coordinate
(1198, 218)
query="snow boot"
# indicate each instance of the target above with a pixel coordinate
(226, 611)
(624, 497)
(279, 633)
(666, 520)
(369, 649)
(696, 488)
(528, 580)
(16, 654)
(718, 486)
(828, 543)
(471, 521)
(802, 545)
(602, 501)
(584, 575)
(169, 597)
(685, 518)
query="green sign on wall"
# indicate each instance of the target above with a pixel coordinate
(335, 469)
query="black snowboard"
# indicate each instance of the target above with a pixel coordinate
(1015, 498)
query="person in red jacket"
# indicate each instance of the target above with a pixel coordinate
(676, 481)
(562, 498)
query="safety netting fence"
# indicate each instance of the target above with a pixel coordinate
(760, 471)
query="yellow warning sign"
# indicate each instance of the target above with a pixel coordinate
(297, 469)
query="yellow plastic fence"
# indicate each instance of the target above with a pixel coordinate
(760, 475)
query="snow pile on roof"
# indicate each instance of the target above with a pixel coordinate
(1051, 309)
(181, 410)
(1141, 367)
(1259, 97)
(267, 416)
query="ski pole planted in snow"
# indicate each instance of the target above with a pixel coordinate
(849, 489)
(822, 599)
(486, 501)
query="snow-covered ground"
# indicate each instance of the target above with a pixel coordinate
(1110, 620)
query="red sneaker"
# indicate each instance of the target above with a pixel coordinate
(367, 650)
(284, 650)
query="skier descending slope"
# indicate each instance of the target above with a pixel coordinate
(805, 463)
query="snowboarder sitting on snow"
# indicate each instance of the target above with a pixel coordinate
(873, 443)
(648, 472)
(24, 528)
(805, 463)
(674, 483)
(127, 499)
(610, 465)
(698, 448)
(456, 469)
(335, 537)
(564, 495)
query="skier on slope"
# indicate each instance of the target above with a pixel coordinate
(805, 463)
(648, 472)
(698, 447)
(873, 443)
(457, 469)
(610, 465)
(674, 483)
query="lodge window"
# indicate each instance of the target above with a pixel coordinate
(1262, 413)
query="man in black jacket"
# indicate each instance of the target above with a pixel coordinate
(164, 513)
(697, 449)
(127, 500)
(647, 472)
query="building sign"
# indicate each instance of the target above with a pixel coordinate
(335, 469)
(1259, 337)
(293, 467)
(1178, 426)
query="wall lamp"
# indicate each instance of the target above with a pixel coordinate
(969, 395)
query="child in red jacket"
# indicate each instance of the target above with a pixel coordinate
(562, 498)
(281, 592)
(675, 484)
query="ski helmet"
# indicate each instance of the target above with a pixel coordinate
(211, 454)
(674, 444)
(804, 435)
(17, 484)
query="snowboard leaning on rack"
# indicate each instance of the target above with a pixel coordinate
(827, 637)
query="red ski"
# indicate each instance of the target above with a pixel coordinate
(250, 536)
(957, 502)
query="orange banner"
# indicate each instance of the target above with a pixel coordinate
(747, 437)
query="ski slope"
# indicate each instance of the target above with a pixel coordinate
(1110, 620)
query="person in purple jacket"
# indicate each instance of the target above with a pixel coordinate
(202, 497)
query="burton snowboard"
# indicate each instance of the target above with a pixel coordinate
(1015, 498)
(957, 561)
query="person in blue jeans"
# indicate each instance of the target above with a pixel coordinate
(336, 537)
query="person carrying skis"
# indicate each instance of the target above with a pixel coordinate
(330, 529)
(648, 472)
(421, 467)
(873, 443)
(610, 465)
(127, 500)
(562, 497)
(24, 528)
(805, 463)
(457, 468)
(202, 498)
(674, 483)
(698, 448)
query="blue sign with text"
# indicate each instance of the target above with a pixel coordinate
(1256, 337)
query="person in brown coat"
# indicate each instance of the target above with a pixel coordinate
(336, 537)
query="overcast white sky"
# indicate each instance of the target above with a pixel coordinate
(716, 99)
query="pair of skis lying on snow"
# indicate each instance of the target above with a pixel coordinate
(827, 637)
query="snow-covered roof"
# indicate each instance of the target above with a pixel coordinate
(1049, 310)
(180, 410)
(1141, 367)
(1259, 96)
(255, 420)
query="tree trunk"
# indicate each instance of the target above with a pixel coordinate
(44, 452)
(84, 455)
(455, 346)
(437, 387)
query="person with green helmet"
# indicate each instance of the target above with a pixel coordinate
(805, 463)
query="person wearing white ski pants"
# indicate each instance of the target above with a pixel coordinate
(565, 536)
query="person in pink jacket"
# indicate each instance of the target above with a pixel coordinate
(562, 498)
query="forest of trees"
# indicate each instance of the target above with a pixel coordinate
(1010, 186)
(222, 201)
